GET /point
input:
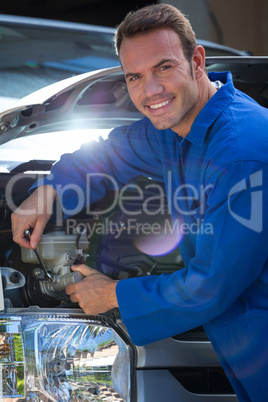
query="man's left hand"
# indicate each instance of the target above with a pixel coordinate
(95, 293)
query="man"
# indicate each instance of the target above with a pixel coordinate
(208, 143)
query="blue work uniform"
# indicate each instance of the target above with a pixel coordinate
(216, 180)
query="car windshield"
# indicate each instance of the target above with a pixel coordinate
(49, 146)
(38, 55)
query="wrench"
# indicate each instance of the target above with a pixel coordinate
(47, 275)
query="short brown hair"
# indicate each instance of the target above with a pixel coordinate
(153, 17)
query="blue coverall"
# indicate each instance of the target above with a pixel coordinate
(216, 177)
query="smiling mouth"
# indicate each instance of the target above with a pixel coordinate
(159, 105)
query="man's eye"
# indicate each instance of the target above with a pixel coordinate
(163, 68)
(134, 78)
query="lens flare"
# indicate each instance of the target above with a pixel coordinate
(156, 236)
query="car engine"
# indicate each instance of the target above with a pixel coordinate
(111, 242)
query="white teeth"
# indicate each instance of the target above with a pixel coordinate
(160, 104)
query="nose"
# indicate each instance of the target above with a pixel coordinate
(152, 87)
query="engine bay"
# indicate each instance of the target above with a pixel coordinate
(109, 240)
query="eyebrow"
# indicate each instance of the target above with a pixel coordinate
(163, 61)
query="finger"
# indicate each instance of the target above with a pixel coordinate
(22, 242)
(19, 236)
(69, 289)
(37, 232)
(84, 269)
(73, 298)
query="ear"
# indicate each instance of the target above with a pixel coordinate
(198, 61)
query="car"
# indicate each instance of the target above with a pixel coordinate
(50, 349)
(36, 52)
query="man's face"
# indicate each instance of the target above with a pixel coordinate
(159, 79)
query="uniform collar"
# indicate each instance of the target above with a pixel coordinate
(213, 108)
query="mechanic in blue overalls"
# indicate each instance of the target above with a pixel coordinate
(208, 143)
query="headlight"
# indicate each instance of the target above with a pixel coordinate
(62, 358)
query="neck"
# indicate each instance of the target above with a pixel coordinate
(205, 91)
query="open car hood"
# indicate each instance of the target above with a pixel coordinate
(100, 99)
(97, 98)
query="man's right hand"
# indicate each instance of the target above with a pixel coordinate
(33, 214)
